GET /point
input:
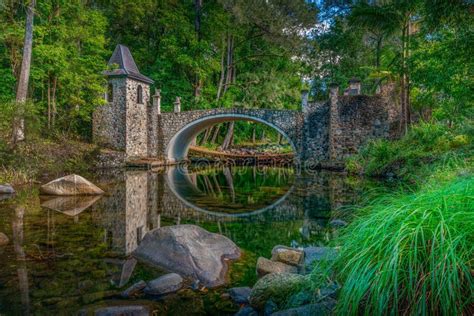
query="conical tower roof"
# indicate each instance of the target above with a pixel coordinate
(126, 65)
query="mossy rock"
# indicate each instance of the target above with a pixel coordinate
(278, 287)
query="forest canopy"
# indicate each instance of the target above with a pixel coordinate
(247, 53)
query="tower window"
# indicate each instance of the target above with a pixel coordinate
(110, 93)
(139, 95)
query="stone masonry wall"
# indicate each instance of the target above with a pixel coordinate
(136, 120)
(316, 132)
(108, 123)
(355, 120)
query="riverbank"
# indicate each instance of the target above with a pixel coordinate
(410, 251)
(38, 158)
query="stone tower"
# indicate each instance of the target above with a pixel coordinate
(121, 124)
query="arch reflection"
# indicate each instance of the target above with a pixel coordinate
(230, 191)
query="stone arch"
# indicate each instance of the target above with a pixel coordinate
(178, 146)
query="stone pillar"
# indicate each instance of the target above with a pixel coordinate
(333, 120)
(177, 105)
(304, 100)
(157, 101)
(354, 86)
(154, 112)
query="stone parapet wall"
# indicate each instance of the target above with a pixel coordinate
(355, 120)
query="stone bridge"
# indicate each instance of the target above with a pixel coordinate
(132, 121)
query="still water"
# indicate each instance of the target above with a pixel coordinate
(68, 255)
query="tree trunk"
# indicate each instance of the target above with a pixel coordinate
(378, 52)
(230, 55)
(49, 103)
(279, 139)
(55, 83)
(18, 130)
(230, 182)
(228, 137)
(263, 136)
(221, 80)
(22, 271)
(197, 28)
(403, 86)
(205, 137)
(215, 136)
(253, 135)
(407, 74)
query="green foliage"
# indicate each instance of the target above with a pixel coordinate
(414, 155)
(442, 73)
(9, 110)
(68, 57)
(366, 39)
(411, 253)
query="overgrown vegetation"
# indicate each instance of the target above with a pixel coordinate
(425, 147)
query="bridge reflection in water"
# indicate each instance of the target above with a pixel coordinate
(139, 201)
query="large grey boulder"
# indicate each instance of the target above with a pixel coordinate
(189, 251)
(6, 189)
(165, 284)
(265, 266)
(277, 287)
(288, 255)
(70, 185)
(4, 240)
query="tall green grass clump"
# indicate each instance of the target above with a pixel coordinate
(411, 254)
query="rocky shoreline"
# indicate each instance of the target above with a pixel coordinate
(188, 252)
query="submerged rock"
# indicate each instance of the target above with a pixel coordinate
(124, 310)
(134, 289)
(190, 251)
(277, 287)
(313, 254)
(288, 255)
(6, 189)
(165, 284)
(127, 270)
(270, 308)
(4, 240)
(240, 295)
(319, 309)
(265, 266)
(246, 311)
(338, 223)
(70, 185)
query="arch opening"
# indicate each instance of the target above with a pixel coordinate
(178, 147)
